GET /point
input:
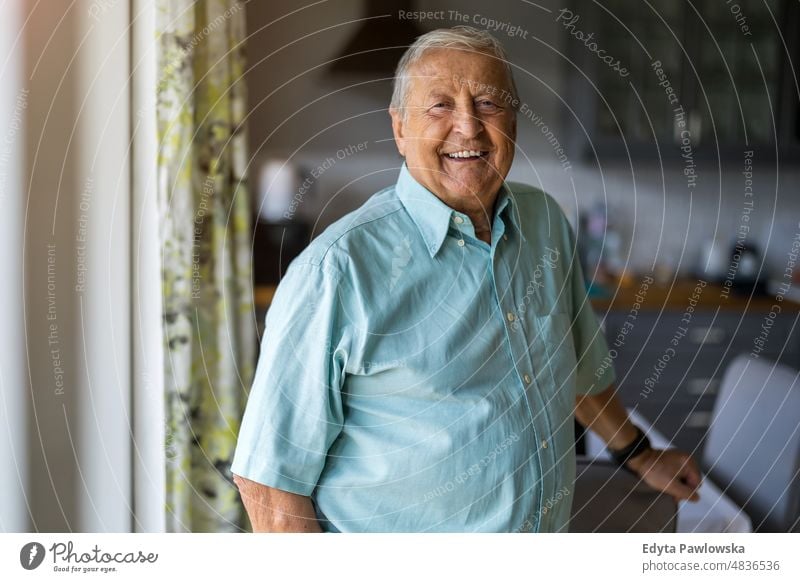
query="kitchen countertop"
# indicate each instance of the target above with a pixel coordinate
(676, 295)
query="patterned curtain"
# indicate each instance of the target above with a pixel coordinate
(204, 208)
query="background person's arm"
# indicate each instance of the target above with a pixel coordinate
(275, 510)
(671, 471)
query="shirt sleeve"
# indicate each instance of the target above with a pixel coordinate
(294, 409)
(595, 371)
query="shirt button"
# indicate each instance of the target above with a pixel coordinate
(458, 219)
(505, 237)
(461, 242)
(510, 316)
(544, 444)
(526, 378)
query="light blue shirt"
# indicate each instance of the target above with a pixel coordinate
(415, 378)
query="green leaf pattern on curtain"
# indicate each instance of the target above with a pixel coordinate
(210, 337)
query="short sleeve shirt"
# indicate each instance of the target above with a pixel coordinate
(415, 378)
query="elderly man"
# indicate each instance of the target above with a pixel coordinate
(424, 356)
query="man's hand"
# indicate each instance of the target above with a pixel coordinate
(671, 471)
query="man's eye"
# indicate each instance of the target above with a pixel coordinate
(441, 105)
(486, 104)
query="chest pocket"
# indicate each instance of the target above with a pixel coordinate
(557, 361)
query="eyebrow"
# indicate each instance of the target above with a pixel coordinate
(438, 94)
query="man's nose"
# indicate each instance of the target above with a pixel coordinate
(466, 123)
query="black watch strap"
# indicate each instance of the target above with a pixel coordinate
(639, 445)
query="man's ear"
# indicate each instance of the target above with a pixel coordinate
(397, 129)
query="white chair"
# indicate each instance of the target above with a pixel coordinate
(752, 449)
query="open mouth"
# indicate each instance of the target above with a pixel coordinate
(466, 155)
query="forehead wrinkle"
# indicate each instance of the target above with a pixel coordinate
(430, 67)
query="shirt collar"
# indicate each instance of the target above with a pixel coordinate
(432, 216)
(506, 203)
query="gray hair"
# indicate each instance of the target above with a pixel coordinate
(465, 37)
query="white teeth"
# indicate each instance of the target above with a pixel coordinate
(465, 154)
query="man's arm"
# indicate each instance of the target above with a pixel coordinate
(671, 471)
(274, 510)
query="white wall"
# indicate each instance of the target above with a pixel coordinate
(149, 426)
(13, 383)
(51, 185)
(77, 321)
(103, 418)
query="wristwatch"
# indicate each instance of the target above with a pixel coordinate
(639, 445)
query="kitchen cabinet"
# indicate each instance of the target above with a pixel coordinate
(707, 74)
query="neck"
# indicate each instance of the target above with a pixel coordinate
(482, 224)
(480, 214)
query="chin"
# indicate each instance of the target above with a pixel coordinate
(483, 183)
(469, 191)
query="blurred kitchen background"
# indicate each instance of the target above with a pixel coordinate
(679, 172)
(305, 109)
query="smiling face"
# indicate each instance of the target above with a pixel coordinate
(458, 131)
